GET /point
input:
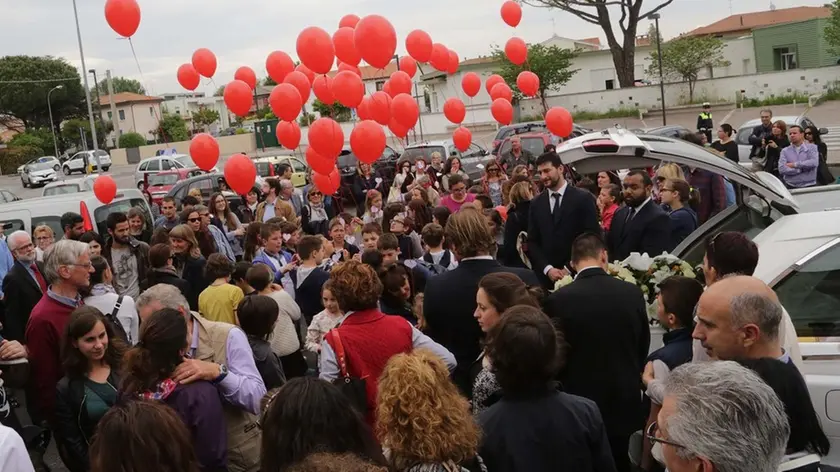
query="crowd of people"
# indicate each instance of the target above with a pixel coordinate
(418, 334)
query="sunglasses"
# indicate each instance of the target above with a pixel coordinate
(194, 220)
(316, 194)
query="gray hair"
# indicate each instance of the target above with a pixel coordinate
(762, 311)
(725, 413)
(169, 296)
(64, 252)
(199, 208)
(286, 184)
(16, 236)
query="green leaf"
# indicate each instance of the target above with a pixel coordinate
(684, 57)
(551, 64)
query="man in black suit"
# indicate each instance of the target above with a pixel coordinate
(449, 301)
(605, 325)
(558, 215)
(24, 285)
(641, 225)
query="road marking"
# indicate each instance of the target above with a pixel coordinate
(728, 115)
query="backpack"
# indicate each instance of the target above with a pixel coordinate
(119, 331)
(445, 262)
(431, 268)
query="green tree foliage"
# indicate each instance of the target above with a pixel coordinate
(121, 84)
(72, 137)
(28, 101)
(172, 129)
(14, 156)
(684, 57)
(832, 28)
(205, 116)
(306, 118)
(219, 91)
(550, 63)
(268, 82)
(336, 111)
(132, 140)
(40, 138)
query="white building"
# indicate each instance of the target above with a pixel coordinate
(135, 114)
(185, 104)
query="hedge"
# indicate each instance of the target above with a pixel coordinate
(14, 156)
(132, 140)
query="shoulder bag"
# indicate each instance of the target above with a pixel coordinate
(354, 388)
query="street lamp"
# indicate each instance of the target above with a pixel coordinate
(655, 17)
(52, 125)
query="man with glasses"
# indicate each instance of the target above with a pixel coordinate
(458, 196)
(761, 132)
(169, 217)
(26, 281)
(67, 270)
(719, 416)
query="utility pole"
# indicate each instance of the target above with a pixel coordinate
(87, 88)
(98, 100)
(114, 118)
(52, 125)
(655, 17)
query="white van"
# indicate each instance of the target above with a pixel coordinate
(30, 213)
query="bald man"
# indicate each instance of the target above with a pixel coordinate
(740, 317)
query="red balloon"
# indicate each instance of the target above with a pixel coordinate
(285, 102)
(105, 189)
(502, 111)
(318, 163)
(528, 82)
(511, 13)
(559, 121)
(307, 72)
(404, 110)
(348, 89)
(440, 57)
(301, 82)
(327, 184)
(386, 87)
(323, 89)
(454, 110)
(501, 91)
(288, 134)
(238, 97)
(375, 40)
(397, 129)
(247, 75)
(345, 47)
(363, 110)
(240, 173)
(326, 137)
(471, 83)
(348, 21)
(454, 62)
(380, 107)
(492, 81)
(400, 83)
(204, 151)
(516, 51)
(204, 62)
(418, 43)
(279, 65)
(367, 140)
(315, 49)
(350, 68)
(123, 16)
(188, 77)
(462, 138)
(408, 65)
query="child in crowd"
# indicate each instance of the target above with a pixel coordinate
(373, 207)
(272, 254)
(219, 300)
(435, 253)
(309, 277)
(483, 202)
(496, 225)
(396, 292)
(324, 321)
(291, 235)
(370, 235)
(389, 251)
(440, 215)
(258, 317)
(401, 228)
(608, 204)
(238, 277)
(338, 231)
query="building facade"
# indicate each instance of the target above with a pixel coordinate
(185, 105)
(135, 113)
(799, 45)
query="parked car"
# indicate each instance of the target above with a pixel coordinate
(270, 167)
(68, 186)
(27, 214)
(746, 129)
(534, 143)
(529, 127)
(161, 183)
(40, 171)
(77, 162)
(153, 165)
(671, 131)
(470, 160)
(348, 163)
(7, 196)
(209, 184)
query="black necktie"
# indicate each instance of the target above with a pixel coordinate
(556, 212)
(630, 215)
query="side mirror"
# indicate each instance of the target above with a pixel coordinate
(823, 131)
(484, 152)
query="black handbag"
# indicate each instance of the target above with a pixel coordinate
(353, 387)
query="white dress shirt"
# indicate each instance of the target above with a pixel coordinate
(551, 201)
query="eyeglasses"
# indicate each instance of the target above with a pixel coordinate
(44, 238)
(316, 194)
(458, 190)
(652, 429)
(666, 190)
(86, 265)
(194, 220)
(25, 247)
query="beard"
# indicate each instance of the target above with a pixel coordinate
(28, 259)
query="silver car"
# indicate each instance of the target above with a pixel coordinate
(153, 165)
(39, 171)
(68, 186)
(77, 162)
(746, 129)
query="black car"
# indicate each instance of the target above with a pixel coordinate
(348, 165)
(530, 127)
(209, 184)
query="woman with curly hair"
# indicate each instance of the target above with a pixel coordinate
(423, 422)
(367, 336)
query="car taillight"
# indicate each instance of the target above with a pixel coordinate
(83, 209)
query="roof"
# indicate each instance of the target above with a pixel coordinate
(759, 19)
(371, 73)
(127, 97)
(592, 41)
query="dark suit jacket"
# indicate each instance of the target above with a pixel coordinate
(550, 242)
(22, 293)
(649, 231)
(449, 305)
(605, 325)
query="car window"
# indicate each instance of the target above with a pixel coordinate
(204, 184)
(263, 168)
(165, 164)
(78, 155)
(154, 166)
(388, 153)
(453, 151)
(163, 179)
(16, 225)
(533, 145)
(811, 295)
(743, 136)
(505, 148)
(100, 153)
(54, 222)
(100, 215)
(297, 166)
(424, 152)
(144, 167)
(806, 123)
(62, 190)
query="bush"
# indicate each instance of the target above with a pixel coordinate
(241, 131)
(132, 140)
(306, 118)
(14, 156)
(35, 137)
(622, 112)
(775, 100)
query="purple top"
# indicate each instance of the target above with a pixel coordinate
(454, 206)
(243, 386)
(805, 159)
(200, 408)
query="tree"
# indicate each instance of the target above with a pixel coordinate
(205, 116)
(219, 91)
(172, 128)
(684, 57)
(40, 138)
(26, 98)
(268, 82)
(73, 137)
(132, 140)
(597, 12)
(832, 28)
(121, 84)
(550, 63)
(336, 111)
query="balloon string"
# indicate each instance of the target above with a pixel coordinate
(148, 89)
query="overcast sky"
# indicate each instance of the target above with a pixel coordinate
(245, 31)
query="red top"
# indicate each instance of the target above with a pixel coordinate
(454, 206)
(607, 216)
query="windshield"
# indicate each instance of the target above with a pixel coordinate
(186, 161)
(62, 190)
(100, 153)
(121, 206)
(347, 160)
(165, 179)
(263, 168)
(41, 166)
(424, 152)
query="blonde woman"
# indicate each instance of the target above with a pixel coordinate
(423, 422)
(189, 263)
(44, 237)
(667, 171)
(196, 192)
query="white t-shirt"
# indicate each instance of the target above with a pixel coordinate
(13, 454)
(127, 316)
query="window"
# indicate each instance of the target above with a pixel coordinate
(100, 215)
(144, 167)
(54, 222)
(152, 111)
(206, 185)
(110, 115)
(784, 58)
(122, 115)
(743, 136)
(154, 166)
(811, 294)
(535, 146)
(380, 84)
(297, 166)
(62, 190)
(165, 164)
(609, 84)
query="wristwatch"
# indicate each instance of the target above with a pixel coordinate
(223, 371)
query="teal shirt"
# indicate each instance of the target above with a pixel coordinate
(99, 398)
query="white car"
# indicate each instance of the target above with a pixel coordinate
(39, 171)
(153, 165)
(746, 129)
(799, 247)
(77, 162)
(67, 186)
